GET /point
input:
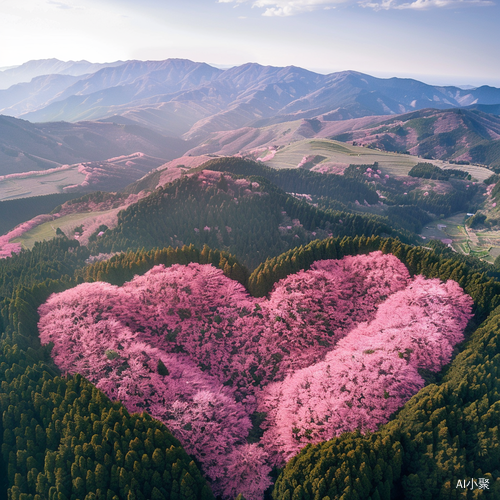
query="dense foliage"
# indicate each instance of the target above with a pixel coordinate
(359, 184)
(470, 274)
(461, 197)
(147, 343)
(476, 220)
(61, 437)
(441, 447)
(19, 319)
(47, 260)
(430, 171)
(248, 218)
(372, 371)
(448, 431)
(344, 189)
(409, 217)
(124, 266)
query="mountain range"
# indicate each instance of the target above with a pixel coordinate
(26, 72)
(178, 97)
(26, 147)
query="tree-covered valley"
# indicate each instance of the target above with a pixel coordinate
(249, 332)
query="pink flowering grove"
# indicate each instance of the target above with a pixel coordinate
(332, 349)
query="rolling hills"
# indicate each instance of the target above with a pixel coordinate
(109, 175)
(458, 134)
(350, 180)
(25, 146)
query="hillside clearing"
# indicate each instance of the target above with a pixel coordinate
(336, 153)
(39, 184)
(67, 224)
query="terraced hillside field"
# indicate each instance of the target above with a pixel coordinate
(482, 243)
(110, 175)
(333, 156)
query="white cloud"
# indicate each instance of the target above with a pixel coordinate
(425, 4)
(61, 5)
(429, 4)
(64, 29)
(283, 8)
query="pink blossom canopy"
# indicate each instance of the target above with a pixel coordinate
(332, 349)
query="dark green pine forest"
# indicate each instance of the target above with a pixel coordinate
(62, 439)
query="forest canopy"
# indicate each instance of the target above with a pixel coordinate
(275, 335)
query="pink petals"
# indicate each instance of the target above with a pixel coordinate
(333, 349)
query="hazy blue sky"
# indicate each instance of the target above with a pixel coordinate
(437, 41)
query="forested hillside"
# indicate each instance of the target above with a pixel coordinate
(62, 438)
(249, 217)
(462, 135)
(223, 339)
(359, 184)
(29, 368)
(436, 440)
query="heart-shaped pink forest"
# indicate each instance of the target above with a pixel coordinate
(332, 349)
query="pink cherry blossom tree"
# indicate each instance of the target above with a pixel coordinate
(371, 373)
(332, 349)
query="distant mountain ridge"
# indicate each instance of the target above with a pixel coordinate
(25, 146)
(31, 69)
(184, 98)
(458, 134)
